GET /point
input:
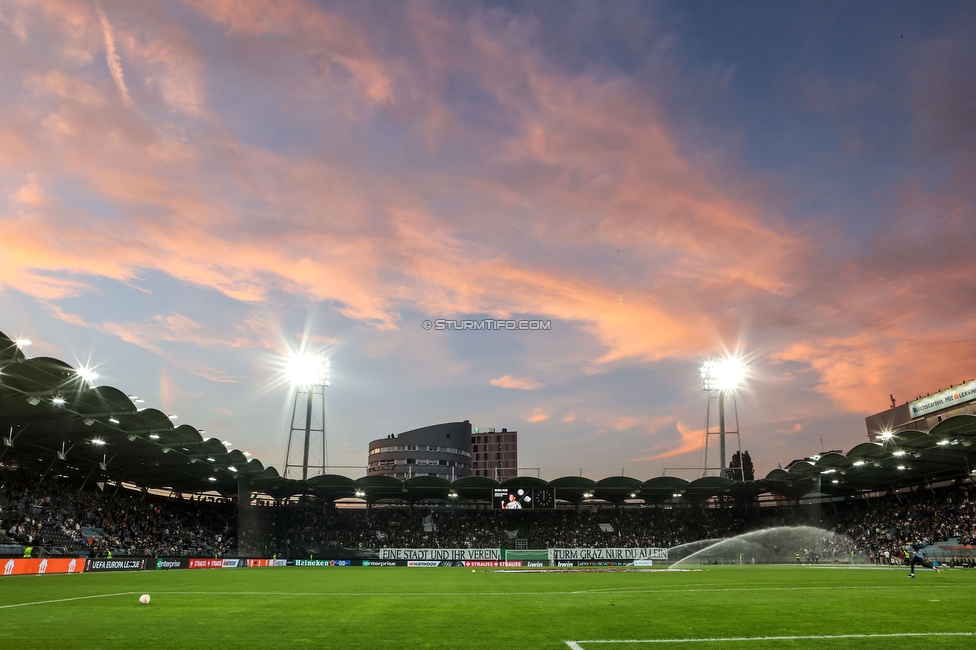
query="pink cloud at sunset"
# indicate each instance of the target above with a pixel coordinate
(517, 383)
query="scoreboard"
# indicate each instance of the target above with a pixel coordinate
(523, 499)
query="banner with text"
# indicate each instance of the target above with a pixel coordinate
(167, 563)
(114, 565)
(943, 399)
(420, 554)
(575, 554)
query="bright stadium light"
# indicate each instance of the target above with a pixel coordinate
(308, 374)
(23, 343)
(305, 370)
(57, 400)
(721, 378)
(87, 375)
(724, 374)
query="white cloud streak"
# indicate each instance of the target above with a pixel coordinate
(112, 57)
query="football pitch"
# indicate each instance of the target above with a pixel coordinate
(405, 608)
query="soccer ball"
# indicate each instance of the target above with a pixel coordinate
(144, 599)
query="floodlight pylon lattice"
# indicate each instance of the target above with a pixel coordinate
(307, 451)
(720, 379)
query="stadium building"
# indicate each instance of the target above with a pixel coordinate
(441, 450)
(923, 413)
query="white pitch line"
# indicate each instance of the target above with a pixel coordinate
(428, 594)
(65, 600)
(578, 645)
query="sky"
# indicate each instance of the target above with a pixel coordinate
(191, 191)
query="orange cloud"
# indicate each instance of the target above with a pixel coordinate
(691, 440)
(537, 414)
(517, 383)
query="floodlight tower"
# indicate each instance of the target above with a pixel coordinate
(309, 375)
(721, 379)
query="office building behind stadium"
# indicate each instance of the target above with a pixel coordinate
(442, 450)
(923, 413)
(494, 453)
(451, 450)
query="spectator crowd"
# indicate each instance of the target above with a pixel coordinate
(93, 519)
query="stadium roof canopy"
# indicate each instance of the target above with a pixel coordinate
(53, 421)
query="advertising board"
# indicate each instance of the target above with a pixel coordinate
(41, 566)
(121, 564)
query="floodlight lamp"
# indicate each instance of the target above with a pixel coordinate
(98, 442)
(724, 375)
(901, 467)
(676, 495)
(305, 370)
(212, 479)
(57, 400)
(898, 453)
(231, 468)
(154, 436)
(33, 401)
(886, 435)
(360, 494)
(87, 375)
(113, 420)
(835, 481)
(22, 343)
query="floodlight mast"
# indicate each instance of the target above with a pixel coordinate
(720, 379)
(309, 374)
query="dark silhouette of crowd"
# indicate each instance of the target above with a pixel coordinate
(58, 516)
(886, 526)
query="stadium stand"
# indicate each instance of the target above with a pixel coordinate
(84, 470)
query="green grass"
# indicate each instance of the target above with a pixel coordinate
(407, 608)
